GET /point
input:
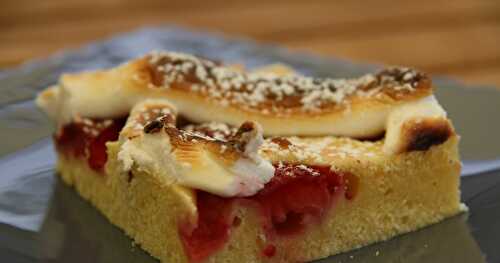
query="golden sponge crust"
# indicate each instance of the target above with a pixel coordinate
(397, 194)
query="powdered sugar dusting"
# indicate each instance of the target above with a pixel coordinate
(92, 127)
(298, 149)
(216, 130)
(319, 150)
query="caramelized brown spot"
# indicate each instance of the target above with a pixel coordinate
(158, 70)
(410, 82)
(283, 143)
(402, 76)
(236, 221)
(426, 133)
(153, 126)
(245, 127)
(130, 176)
(178, 137)
(181, 139)
(240, 139)
(155, 75)
(168, 119)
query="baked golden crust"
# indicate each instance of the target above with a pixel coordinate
(204, 91)
(271, 94)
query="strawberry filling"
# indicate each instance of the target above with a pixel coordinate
(296, 197)
(87, 139)
(269, 251)
(213, 228)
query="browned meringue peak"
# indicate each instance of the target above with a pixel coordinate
(149, 112)
(227, 168)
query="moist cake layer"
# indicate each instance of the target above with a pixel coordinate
(394, 195)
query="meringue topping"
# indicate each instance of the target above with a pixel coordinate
(209, 93)
(225, 168)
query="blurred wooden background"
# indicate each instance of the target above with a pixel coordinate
(456, 37)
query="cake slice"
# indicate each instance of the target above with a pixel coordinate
(199, 162)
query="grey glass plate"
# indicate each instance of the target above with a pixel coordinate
(42, 220)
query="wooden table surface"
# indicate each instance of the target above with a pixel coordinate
(456, 37)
